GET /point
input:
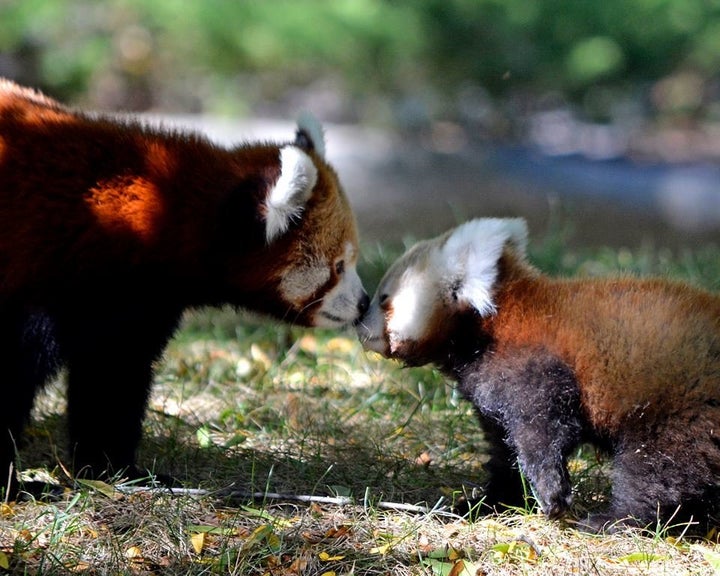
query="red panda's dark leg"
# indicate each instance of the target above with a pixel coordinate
(504, 485)
(534, 397)
(30, 356)
(665, 472)
(110, 373)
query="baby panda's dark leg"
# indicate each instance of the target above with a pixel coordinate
(664, 472)
(30, 357)
(534, 397)
(110, 362)
(504, 487)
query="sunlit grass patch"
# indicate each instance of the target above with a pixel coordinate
(242, 407)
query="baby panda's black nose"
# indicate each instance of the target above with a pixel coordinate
(363, 306)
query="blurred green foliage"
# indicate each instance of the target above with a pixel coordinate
(217, 54)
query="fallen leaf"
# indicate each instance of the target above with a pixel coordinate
(213, 530)
(198, 541)
(636, 557)
(382, 550)
(424, 459)
(338, 532)
(265, 515)
(458, 568)
(463, 568)
(299, 565)
(4, 560)
(325, 557)
(99, 486)
(517, 550)
(264, 534)
(204, 439)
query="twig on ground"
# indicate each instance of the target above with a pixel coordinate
(232, 494)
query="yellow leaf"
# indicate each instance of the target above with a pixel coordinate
(458, 568)
(6, 510)
(4, 560)
(99, 486)
(342, 345)
(273, 542)
(132, 553)
(640, 557)
(462, 568)
(213, 530)
(265, 515)
(204, 438)
(198, 541)
(325, 557)
(330, 573)
(382, 550)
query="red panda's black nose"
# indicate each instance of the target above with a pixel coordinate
(363, 305)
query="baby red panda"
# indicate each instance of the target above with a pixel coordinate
(632, 365)
(110, 229)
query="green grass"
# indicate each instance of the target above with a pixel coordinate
(246, 406)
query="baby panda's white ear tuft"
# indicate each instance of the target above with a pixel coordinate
(471, 254)
(287, 199)
(310, 134)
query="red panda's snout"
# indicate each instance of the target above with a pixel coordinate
(345, 303)
(398, 315)
(323, 291)
(371, 328)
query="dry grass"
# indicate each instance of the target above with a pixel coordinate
(261, 408)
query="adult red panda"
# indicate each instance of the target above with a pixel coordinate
(631, 364)
(110, 229)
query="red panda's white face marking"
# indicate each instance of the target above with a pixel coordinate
(434, 280)
(287, 199)
(306, 212)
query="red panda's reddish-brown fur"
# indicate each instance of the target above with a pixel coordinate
(110, 229)
(626, 339)
(630, 364)
(129, 176)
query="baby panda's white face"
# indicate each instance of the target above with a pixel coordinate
(404, 302)
(426, 290)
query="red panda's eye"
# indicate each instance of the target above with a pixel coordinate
(339, 267)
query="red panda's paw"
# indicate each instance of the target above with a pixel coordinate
(556, 509)
(554, 495)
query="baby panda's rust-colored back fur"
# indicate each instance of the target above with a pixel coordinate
(110, 229)
(630, 364)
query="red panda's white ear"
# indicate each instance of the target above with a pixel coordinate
(310, 134)
(471, 254)
(286, 201)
